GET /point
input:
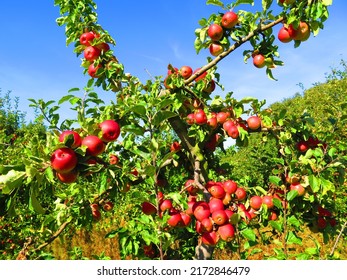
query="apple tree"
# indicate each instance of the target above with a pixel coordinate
(154, 145)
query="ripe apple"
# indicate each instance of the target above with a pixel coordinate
(190, 119)
(254, 122)
(229, 20)
(255, 202)
(302, 146)
(321, 223)
(77, 138)
(104, 47)
(284, 36)
(92, 69)
(186, 72)
(222, 117)
(215, 32)
(227, 199)
(220, 217)
(216, 191)
(226, 232)
(96, 215)
(259, 61)
(233, 132)
(210, 238)
(212, 122)
(166, 204)
(227, 124)
(175, 147)
(230, 186)
(114, 159)
(298, 187)
(215, 204)
(110, 130)
(86, 38)
(108, 206)
(186, 219)
(240, 193)
(190, 187)
(268, 201)
(94, 145)
(201, 210)
(301, 33)
(210, 87)
(148, 208)
(64, 160)
(216, 49)
(67, 178)
(206, 225)
(200, 117)
(175, 220)
(91, 53)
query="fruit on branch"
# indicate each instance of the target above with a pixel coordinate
(201, 210)
(110, 130)
(268, 201)
(255, 202)
(273, 216)
(212, 121)
(114, 160)
(77, 140)
(259, 61)
(219, 217)
(94, 145)
(229, 20)
(190, 119)
(175, 220)
(216, 191)
(201, 76)
(86, 38)
(186, 72)
(103, 47)
(191, 187)
(226, 232)
(222, 117)
(175, 146)
(254, 122)
(284, 36)
(298, 187)
(233, 132)
(240, 194)
(92, 70)
(96, 214)
(91, 53)
(302, 146)
(215, 32)
(200, 117)
(228, 124)
(67, 178)
(321, 223)
(64, 160)
(148, 208)
(186, 219)
(210, 87)
(108, 206)
(206, 225)
(166, 204)
(216, 49)
(301, 33)
(230, 186)
(210, 238)
(215, 204)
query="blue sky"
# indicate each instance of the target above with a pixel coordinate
(36, 63)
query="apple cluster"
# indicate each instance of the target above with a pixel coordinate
(94, 52)
(216, 31)
(66, 160)
(311, 143)
(95, 208)
(324, 218)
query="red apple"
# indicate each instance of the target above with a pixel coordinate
(175, 147)
(64, 160)
(222, 117)
(220, 217)
(210, 238)
(67, 178)
(77, 140)
(186, 72)
(166, 204)
(302, 146)
(200, 117)
(104, 47)
(259, 61)
(215, 204)
(190, 187)
(201, 76)
(91, 53)
(86, 38)
(228, 124)
(107, 206)
(233, 132)
(216, 49)
(298, 187)
(186, 219)
(205, 225)
(216, 191)
(273, 216)
(114, 159)
(226, 232)
(212, 122)
(96, 214)
(230, 186)
(175, 220)
(215, 32)
(301, 33)
(210, 87)
(240, 193)
(110, 130)
(229, 20)
(94, 145)
(254, 122)
(190, 119)
(284, 36)
(201, 210)
(268, 201)
(321, 223)
(92, 70)
(148, 208)
(255, 202)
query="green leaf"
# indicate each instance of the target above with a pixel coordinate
(139, 109)
(161, 116)
(13, 179)
(34, 204)
(292, 194)
(215, 2)
(292, 220)
(275, 180)
(293, 239)
(249, 234)
(314, 183)
(134, 129)
(276, 225)
(327, 2)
